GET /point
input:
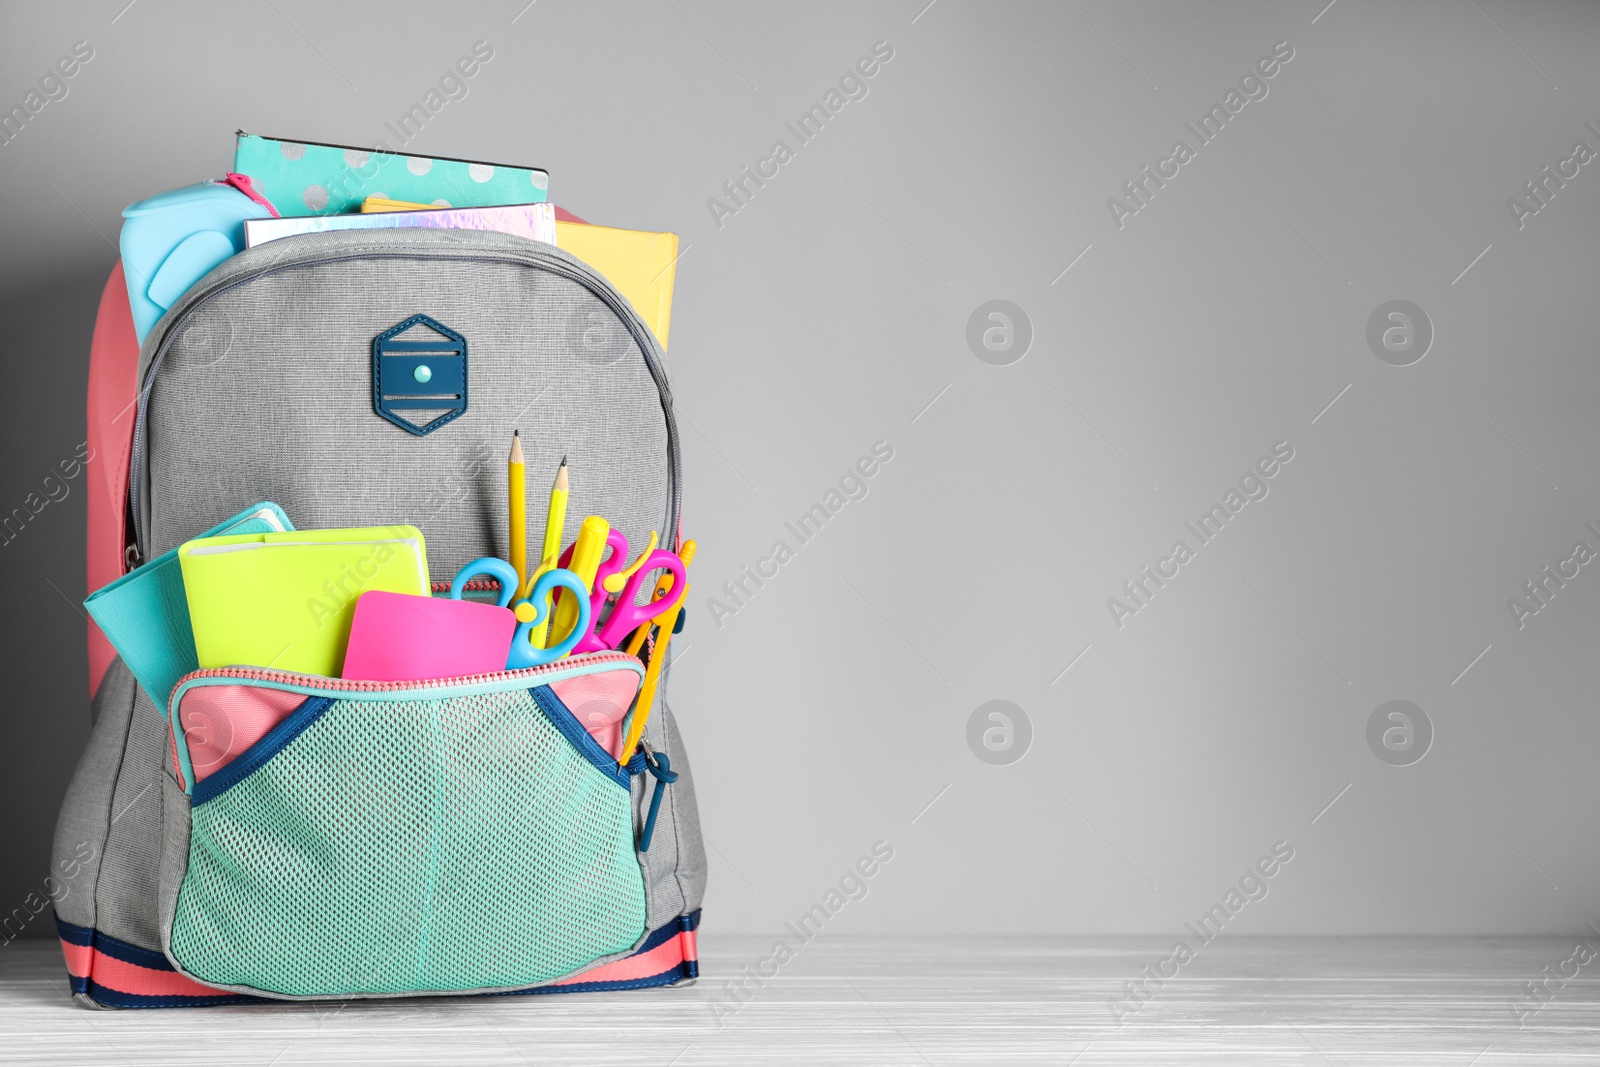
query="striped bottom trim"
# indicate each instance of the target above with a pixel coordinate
(668, 956)
(116, 974)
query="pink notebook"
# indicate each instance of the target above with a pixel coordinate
(396, 637)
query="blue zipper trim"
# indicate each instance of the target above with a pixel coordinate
(562, 719)
(256, 756)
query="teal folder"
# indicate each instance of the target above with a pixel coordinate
(145, 615)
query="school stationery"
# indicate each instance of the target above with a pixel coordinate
(517, 506)
(375, 204)
(586, 553)
(174, 239)
(309, 178)
(145, 615)
(616, 575)
(612, 580)
(285, 600)
(627, 615)
(636, 642)
(524, 653)
(555, 519)
(536, 222)
(666, 624)
(642, 265)
(614, 563)
(400, 638)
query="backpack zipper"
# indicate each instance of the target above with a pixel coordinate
(349, 685)
(573, 270)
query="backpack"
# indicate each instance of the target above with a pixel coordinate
(381, 839)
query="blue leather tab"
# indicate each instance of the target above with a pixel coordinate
(397, 385)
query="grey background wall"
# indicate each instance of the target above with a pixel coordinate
(1162, 751)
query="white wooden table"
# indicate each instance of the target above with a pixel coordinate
(849, 1001)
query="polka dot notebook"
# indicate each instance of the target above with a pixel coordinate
(305, 178)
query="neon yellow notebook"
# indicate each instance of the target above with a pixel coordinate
(285, 600)
(639, 263)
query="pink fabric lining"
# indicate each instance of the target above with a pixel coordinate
(221, 721)
(600, 702)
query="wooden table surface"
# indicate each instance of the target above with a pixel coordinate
(886, 1001)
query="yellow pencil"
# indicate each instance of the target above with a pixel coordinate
(586, 553)
(663, 587)
(517, 492)
(652, 674)
(555, 520)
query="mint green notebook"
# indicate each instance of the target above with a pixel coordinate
(145, 615)
(307, 178)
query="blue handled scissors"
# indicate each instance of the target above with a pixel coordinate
(531, 611)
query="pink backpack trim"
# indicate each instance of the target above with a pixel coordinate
(113, 391)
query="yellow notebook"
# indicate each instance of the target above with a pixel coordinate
(285, 600)
(639, 263)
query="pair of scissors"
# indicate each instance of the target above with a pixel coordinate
(627, 615)
(616, 575)
(530, 611)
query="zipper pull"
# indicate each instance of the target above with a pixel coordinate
(130, 557)
(660, 766)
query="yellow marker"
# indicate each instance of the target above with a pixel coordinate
(586, 554)
(652, 674)
(663, 587)
(555, 520)
(517, 492)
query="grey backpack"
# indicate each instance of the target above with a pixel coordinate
(384, 839)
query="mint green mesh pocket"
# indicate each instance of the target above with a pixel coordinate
(376, 847)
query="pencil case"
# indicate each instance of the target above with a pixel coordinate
(329, 838)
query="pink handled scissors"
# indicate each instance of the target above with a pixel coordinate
(628, 615)
(615, 574)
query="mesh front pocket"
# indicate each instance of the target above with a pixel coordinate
(401, 847)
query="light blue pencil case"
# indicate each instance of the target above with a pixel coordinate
(174, 239)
